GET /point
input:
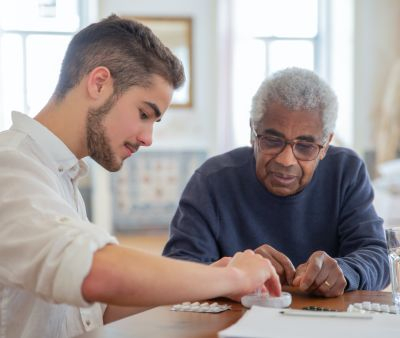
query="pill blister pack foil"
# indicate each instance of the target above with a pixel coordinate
(368, 307)
(200, 307)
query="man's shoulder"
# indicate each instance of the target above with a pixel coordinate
(341, 153)
(18, 148)
(10, 140)
(236, 158)
(342, 159)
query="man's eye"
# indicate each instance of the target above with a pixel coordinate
(272, 142)
(143, 115)
(305, 146)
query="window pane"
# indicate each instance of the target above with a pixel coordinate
(283, 18)
(39, 15)
(44, 57)
(11, 80)
(283, 54)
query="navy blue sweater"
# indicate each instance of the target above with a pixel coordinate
(225, 209)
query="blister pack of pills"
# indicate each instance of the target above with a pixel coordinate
(368, 307)
(200, 307)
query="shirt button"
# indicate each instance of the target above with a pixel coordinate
(88, 322)
(64, 219)
(60, 169)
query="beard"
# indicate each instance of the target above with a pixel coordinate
(98, 143)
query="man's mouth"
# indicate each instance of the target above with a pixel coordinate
(283, 179)
(131, 148)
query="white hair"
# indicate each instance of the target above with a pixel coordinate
(296, 89)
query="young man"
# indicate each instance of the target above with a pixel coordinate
(60, 275)
(292, 197)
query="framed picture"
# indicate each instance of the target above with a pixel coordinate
(176, 34)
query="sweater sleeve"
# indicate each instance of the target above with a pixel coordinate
(194, 225)
(362, 250)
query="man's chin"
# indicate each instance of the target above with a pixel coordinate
(282, 190)
(111, 167)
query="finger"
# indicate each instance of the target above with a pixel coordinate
(249, 251)
(263, 289)
(334, 285)
(338, 288)
(324, 288)
(314, 265)
(273, 285)
(286, 264)
(300, 271)
(265, 251)
(224, 261)
(328, 275)
(279, 269)
(283, 265)
(328, 288)
(322, 279)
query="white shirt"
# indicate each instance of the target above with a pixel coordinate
(46, 240)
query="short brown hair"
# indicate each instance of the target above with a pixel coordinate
(127, 48)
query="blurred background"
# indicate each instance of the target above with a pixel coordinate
(227, 48)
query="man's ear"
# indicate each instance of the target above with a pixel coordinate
(326, 147)
(99, 83)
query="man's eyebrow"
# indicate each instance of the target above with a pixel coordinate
(155, 108)
(308, 138)
(274, 132)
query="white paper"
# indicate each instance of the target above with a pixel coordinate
(262, 322)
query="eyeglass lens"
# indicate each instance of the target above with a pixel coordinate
(302, 150)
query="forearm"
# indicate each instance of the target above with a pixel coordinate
(123, 276)
(366, 269)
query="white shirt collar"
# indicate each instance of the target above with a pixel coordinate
(56, 149)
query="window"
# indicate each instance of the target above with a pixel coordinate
(33, 38)
(270, 35)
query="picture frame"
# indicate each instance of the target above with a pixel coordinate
(176, 34)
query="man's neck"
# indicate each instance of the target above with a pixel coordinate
(67, 120)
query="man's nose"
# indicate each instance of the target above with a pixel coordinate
(286, 156)
(145, 138)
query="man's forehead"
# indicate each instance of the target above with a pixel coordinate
(292, 123)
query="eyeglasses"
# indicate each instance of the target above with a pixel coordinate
(273, 145)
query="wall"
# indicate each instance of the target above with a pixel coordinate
(192, 129)
(184, 128)
(377, 46)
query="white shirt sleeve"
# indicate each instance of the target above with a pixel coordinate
(46, 247)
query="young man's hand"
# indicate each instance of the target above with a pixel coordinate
(258, 271)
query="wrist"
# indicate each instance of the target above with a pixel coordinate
(239, 283)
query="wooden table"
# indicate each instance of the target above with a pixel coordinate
(161, 322)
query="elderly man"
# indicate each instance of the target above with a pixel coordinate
(292, 196)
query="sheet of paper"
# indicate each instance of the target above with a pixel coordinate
(262, 322)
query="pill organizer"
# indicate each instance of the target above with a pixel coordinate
(267, 301)
(200, 307)
(367, 307)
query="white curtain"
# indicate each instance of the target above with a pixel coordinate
(388, 139)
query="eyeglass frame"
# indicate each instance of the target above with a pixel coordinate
(292, 143)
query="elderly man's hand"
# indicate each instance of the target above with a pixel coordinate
(282, 264)
(320, 275)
